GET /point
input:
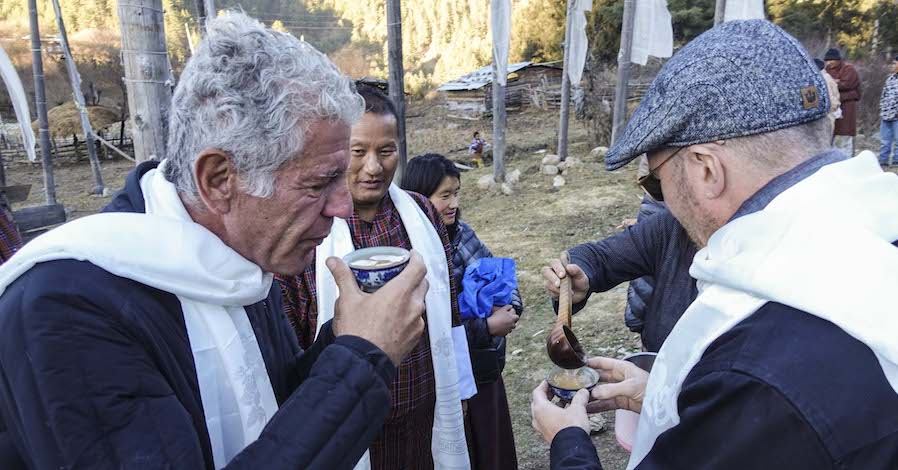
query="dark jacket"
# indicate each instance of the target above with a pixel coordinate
(639, 294)
(97, 372)
(487, 351)
(782, 389)
(656, 246)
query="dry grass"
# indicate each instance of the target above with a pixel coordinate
(532, 226)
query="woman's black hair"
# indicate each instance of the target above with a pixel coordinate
(424, 173)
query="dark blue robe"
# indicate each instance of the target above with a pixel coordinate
(782, 389)
(96, 372)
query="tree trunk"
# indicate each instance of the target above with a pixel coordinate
(40, 102)
(147, 76)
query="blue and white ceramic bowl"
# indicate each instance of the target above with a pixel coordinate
(566, 383)
(372, 277)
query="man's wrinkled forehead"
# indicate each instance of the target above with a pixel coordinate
(375, 128)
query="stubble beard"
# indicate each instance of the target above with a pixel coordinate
(698, 222)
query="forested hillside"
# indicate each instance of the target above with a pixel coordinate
(446, 38)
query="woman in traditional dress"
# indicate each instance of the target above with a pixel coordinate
(491, 440)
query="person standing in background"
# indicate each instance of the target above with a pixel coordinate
(491, 437)
(476, 150)
(849, 83)
(888, 112)
(832, 89)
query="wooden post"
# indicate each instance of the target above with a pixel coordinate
(147, 75)
(40, 102)
(75, 80)
(499, 122)
(720, 11)
(565, 84)
(189, 39)
(623, 70)
(499, 115)
(201, 15)
(211, 12)
(205, 10)
(397, 78)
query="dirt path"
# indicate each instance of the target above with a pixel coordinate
(532, 226)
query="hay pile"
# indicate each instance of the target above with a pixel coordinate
(65, 121)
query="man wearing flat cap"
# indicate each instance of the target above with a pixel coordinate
(849, 83)
(788, 357)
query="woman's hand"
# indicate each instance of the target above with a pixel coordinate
(502, 321)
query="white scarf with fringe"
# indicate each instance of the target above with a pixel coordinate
(449, 347)
(824, 246)
(166, 250)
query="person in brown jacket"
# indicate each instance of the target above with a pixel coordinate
(849, 93)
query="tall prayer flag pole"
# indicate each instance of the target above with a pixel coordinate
(565, 84)
(623, 70)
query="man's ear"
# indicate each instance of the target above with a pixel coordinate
(705, 161)
(216, 180)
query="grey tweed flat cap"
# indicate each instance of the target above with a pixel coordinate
(739, 79)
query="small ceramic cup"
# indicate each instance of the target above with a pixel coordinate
(372, 278)
(585, 376)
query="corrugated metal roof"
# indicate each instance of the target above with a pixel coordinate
(481, 77)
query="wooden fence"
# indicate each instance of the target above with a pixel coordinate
(72, 147)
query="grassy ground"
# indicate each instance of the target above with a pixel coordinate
(531, 226)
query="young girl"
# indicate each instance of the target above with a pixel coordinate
(476, 150)
(491, 440)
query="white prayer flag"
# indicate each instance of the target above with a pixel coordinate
(744, 10)
(652, 31)
(19, 102)
(579, 42)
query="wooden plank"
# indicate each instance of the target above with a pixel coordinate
(75, 80)
(35, 217)
(113, 147)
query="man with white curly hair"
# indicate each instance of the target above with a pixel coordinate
(150, 336)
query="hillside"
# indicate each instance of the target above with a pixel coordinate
(442, 39)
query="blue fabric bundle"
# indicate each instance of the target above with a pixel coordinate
(487, 282)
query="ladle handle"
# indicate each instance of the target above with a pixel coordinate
(565, 296)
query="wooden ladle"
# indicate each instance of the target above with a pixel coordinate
(563, 348)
